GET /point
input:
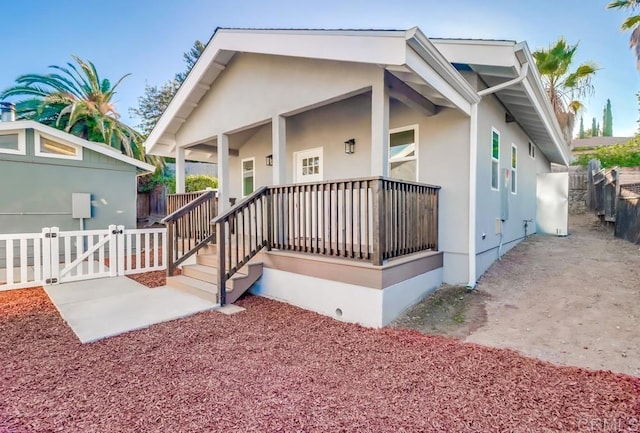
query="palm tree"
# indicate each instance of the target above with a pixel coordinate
(76, 100)
(563, 85)
(632, 23)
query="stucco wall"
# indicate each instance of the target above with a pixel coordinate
(32, 184)
(522, 205)
(254, 87)
(442, 160)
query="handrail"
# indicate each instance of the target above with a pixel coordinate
(207, 195)
(188, 229)
(242, 226)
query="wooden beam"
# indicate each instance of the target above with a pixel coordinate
(402, 92)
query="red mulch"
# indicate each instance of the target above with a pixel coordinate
(276, 368)
(150, 279)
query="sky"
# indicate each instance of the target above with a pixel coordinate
(147, 38)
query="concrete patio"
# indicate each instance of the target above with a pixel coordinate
(100, 308)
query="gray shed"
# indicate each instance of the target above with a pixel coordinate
(51, 178)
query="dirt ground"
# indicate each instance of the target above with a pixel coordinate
(571, 300)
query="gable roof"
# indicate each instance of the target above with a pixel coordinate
(70, 138)
(402, 52)
(385, 48)
(598, 141)
(500, 61)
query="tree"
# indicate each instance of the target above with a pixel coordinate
(632, 23)
(563, 85)
(581, 133)
(594, 128)
(607, 121)
(157, 98)
(76, 100)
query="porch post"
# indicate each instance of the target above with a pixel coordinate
(279, 149)
(223, 173)
(180, 170)
(379, 128)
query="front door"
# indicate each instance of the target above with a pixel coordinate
(308, 165)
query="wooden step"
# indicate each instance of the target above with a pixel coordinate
(199, 288)
(200, 280)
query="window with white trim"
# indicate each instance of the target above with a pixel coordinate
(248, 176)
(403, 153)
(532, 150)
(49, 147)
(13, 142)
(495, 159)
(514, 166)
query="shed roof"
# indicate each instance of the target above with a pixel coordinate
(72, 139)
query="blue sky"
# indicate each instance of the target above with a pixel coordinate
(147, 37)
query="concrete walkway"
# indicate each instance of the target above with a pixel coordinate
(101, 308)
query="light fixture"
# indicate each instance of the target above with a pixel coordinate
(269, 160)
(350, 146)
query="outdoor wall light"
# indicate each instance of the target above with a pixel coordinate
(269, 160)
(350, 146)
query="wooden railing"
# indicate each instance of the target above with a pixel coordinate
(177, 201)
(242, 232)
(366, 219)
(189, 228)
(370, 219)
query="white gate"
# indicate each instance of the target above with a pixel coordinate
(54, 256)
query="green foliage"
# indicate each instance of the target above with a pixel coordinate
(620, 155)
(632, 23)
(162, 176)
(193, 183)
(581, 133)
(157, 98)
(607, 121)
(594, 128)
(75, 99)
(563, 83)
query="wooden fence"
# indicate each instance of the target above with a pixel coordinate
(614, 196)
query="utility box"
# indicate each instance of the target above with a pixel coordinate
(505, 194)
(81, 205)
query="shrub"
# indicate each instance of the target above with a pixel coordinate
(193, 183)
(620, 155)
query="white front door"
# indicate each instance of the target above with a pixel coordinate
(308, 165)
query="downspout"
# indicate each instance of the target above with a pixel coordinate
(473, 168)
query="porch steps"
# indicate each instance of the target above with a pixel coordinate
(200, 279)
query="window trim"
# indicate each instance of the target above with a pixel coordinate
(253, 160)
(416, 138)
(497, 160)
(514, 170)
(22, 142)
(38, 142)
(532, 150)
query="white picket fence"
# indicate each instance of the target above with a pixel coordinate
(54, 256)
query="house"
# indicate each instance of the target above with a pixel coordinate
(50, 178)
(373, 165)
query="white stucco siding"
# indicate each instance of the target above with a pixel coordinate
(443, 160)
(254, 87)
(522, 205)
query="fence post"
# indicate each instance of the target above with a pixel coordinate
(55, 255)
(222, 281)
(46, 254)
(269, 216)
(378, 222)
(120, 252)
(169, 253)
(113, 264)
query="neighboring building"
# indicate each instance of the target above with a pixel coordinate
(583, 145)
(42, 167)
(339, 110)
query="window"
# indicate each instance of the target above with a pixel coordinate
(514, 165)
(495, 159)
(310, 165)
(532, 150)
(12, 142)
(403, 157)
(248, 176)
(50, 148)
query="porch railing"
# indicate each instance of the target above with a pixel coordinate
(242, 232)
(189, 228)
(371, 219)
(177, 201)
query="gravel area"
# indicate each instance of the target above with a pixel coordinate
(276, 368)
